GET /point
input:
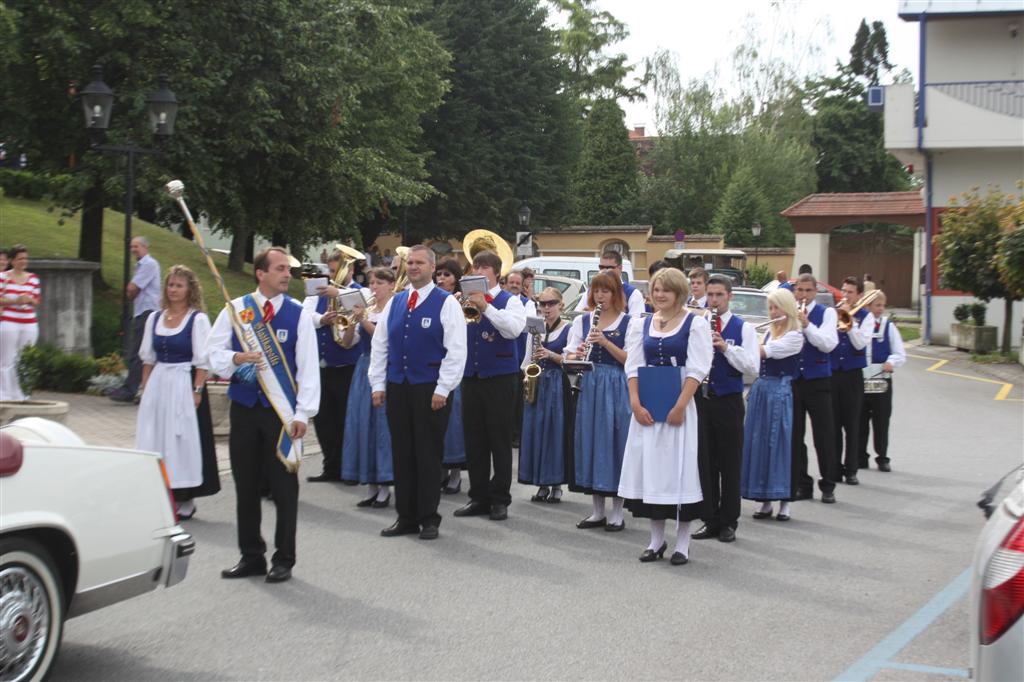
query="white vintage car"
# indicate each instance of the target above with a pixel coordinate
(81, 527)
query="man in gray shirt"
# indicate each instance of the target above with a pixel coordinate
(144, 292)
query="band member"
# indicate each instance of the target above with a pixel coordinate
(367, 443)
(720, 411)
(337, 364)
(514, 285)
(416, 362)
(885, 355)
(849, 358)
(812, 394)
(256, 427)
(20, 295)
(528, 278)
(611, 263)
(543, 447)
(602, 406)
(698, 285)
(174, 413)
(660, 476)
(446, 277)
(490, 384)
(768, 443)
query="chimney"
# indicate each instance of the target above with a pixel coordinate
(638, 130)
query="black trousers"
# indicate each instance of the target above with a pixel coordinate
(813, 397)
(719, 454)
(517, 424)
(417, 445)
(131, 383)
(252, 445)
(329, 421)
(847, 396)
(488, 414)
(876, 412)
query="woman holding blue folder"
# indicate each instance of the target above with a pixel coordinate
(669, 354)
(543, 441)
(768, 430)
(602, 407)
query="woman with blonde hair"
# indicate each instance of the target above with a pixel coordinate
(660, 478)
(543, 444)
(765, 475)
(174, 414)
(602, 406)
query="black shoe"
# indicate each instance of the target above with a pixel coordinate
(763, 514)
(368, 501)
(828, 498)
(452, 490)
(615, 527)
(649, 555)
(345, 482)
(278, 574)
(705, 533)
(804, 495)
(381, 504)
(678, 559)
(727, 534)
(884, 466)
(400, 528)
(324, 478)
(499, 512)
(542, 494)
(851, 479)
(121, 396)
(429, 532)
(473, 508)
(586, 524)
(243, 569)
(782, 517)
(555, 497)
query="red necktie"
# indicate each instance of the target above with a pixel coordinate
(412, 299)
(718, 324)
(488, 298)
(268, 311)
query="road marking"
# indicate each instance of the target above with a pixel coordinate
(930, 669)
(882, 654)
(936, 368)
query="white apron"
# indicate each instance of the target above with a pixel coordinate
(167, 423)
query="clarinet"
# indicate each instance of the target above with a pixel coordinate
(704, 385)
(577, 378)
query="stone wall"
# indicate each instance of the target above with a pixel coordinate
(65, 316)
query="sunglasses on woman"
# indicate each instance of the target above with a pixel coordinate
(547, 304)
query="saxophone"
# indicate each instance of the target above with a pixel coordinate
(532, 372)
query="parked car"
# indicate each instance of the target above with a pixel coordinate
(997, 587)
(571, 289)
(83, 527)
(574, 267)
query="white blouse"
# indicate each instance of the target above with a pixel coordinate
(699, 351)
(790, 343)
(200, 335)
(576, 336)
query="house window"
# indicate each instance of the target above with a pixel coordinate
(620, 247)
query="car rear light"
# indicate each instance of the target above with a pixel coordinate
(1002, 594)
(167, 484)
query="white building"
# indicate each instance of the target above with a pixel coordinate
(963, 126)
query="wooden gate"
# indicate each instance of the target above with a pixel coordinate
(889, 258)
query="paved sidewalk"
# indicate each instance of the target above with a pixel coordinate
(101, 421)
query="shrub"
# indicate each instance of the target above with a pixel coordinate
(962, 312)
(47, 367)
(31, 185)
(758, 275)
(111, 363)
(106, 327)
(978, 313)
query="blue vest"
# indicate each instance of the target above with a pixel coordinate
(781, 367)
(598, 355)
(491, 354)
(660, 351)
(725, 379)
(175, 348)
(881, 349)
(813, 363)
(416, 339)
(555, 344)
(285, 324)
(627, 291)
(332, 354)
(846, 358)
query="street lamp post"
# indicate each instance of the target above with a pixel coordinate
(524, 238)
(97, 103)
(755, 229)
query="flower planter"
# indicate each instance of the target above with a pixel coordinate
(54, 410)
(220, 408)
(973, 338)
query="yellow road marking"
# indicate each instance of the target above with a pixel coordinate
(1004, 389)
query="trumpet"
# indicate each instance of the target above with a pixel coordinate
(845, 321)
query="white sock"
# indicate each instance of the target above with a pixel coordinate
(784, 509)
(384, 493)
(616, 517)
(683, 538)
(185, 508)
(556, 491)
(657, 534)
(765, 507)
(598, 513)
(454, 476)
(373, 489)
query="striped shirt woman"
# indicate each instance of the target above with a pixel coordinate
(20, 293)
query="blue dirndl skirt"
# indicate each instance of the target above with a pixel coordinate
(766, 473)
(454, 439)
(602, 425)
(542, 440)
(367, 444)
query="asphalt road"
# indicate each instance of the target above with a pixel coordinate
(534, 598)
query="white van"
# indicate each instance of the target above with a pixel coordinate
(574, 267)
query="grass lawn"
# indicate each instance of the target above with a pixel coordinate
(33, 224)
(909, 331)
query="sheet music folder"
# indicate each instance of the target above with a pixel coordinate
(659, 389)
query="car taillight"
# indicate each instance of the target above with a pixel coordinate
(167, 484)
(1002, 595)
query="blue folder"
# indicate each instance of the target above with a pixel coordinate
(659, 389)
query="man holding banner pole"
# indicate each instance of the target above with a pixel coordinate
(268, 348)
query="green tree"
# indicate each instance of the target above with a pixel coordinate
(604, 185)
(869, 54)
(742, 204)
(972, 231)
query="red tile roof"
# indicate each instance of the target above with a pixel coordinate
(865, 204)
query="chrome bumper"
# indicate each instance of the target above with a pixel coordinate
(178, 549)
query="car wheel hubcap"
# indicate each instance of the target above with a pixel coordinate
(24, 622)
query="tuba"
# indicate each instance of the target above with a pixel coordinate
(477, 241)
(845, 322)
(401, 276)
(348, 257)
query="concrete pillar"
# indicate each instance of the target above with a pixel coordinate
(915, 281)
(813, 250)
(65, 316)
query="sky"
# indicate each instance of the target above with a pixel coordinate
(810, 34)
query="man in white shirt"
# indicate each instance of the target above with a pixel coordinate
(514, 284)
(698, 284)
(416, 360)
(885, 354)
(255, 425)
(611, 263)
(849, 358)
(144, 293)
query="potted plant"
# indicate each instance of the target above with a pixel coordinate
(969, 331)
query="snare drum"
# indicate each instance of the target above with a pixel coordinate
(876, 385)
